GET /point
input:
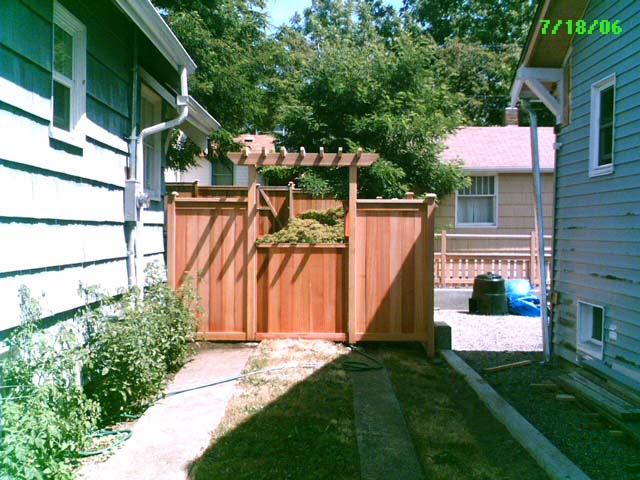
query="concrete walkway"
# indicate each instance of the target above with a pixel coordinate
(176, 430)
(384, 442)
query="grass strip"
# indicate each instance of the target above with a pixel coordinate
(289, 424)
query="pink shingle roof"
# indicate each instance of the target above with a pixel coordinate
(499, 148)
(256, 142)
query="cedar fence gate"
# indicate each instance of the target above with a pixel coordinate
(377, 286)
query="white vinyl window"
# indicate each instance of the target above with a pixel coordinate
(590, 329)
(152, 144)
(603, 95)
(68, 93)
(476, 204)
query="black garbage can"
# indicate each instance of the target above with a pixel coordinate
(489, 295)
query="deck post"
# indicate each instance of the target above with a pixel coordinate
(352, 271)
(252, 255)
(443, 259)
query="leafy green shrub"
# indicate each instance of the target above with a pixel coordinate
(314, 226)
(46, 416)
(173, 314)
(126, 367)
(133, 345)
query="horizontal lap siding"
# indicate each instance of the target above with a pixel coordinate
(64, 222)
(515, 215)
(597, 231)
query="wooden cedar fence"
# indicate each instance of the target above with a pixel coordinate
(303, 290)
(458, 269)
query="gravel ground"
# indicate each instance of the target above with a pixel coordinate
(511, 333)
(585, 438)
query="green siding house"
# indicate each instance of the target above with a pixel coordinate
(590, 79)
(81, 173)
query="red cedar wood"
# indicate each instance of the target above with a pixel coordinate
(299, 290)
(307, 160)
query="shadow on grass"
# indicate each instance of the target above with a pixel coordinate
(307, 432)
(271, 431)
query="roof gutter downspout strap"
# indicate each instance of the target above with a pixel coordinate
(142, 199)
(539, 227)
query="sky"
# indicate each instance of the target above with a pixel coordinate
(281, 11)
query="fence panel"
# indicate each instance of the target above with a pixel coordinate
(394, 261)
(301, 291)
(207, 242)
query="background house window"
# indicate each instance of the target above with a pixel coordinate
(152, 144)
(590, 329)
(68, 76)
(602, 126)
(476, 204)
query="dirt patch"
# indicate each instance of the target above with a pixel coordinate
(571, 426)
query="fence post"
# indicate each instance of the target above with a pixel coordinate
(443, 259)
(252, 256)
(352, 272)
(171, 239)
(532, 259)
(194, 189)
(291, 213)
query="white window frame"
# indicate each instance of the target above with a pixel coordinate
(155, 192)
(594, 130)
(78, 86)
(585, 342)
(493, 224)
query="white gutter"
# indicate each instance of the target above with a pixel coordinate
(539, 227)
(142, 199)
(151, 23)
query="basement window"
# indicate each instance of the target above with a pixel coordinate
(602, 126)
(590, 329)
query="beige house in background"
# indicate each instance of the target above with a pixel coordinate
(207, 173)
(500, 199)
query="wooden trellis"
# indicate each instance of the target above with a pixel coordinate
(379, 286)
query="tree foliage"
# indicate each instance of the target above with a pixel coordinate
(368, 82)
(488, 22)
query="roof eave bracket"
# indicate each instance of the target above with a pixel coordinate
(533, 78)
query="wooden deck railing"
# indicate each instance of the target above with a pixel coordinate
(458, 269)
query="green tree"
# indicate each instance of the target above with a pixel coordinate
(227, 40)
(367, 82)
(488, 22)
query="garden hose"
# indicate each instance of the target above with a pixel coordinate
(126, 435)
(360, 366)
(347, 365)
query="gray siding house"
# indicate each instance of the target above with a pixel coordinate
(591, 81)
(80, 82)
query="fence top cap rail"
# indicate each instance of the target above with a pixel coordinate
(303, 159)
(302, 245)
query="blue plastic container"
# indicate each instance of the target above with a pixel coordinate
(520, 299)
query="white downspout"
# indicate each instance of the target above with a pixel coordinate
(539, 225)
(142, 200)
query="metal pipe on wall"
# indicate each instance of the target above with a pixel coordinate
(539, 227)
(141, 197)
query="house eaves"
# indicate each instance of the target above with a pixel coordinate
(494, 171)
(540, 68)
(145, 16)
(199, 124)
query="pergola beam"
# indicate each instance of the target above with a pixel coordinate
(304, 159)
